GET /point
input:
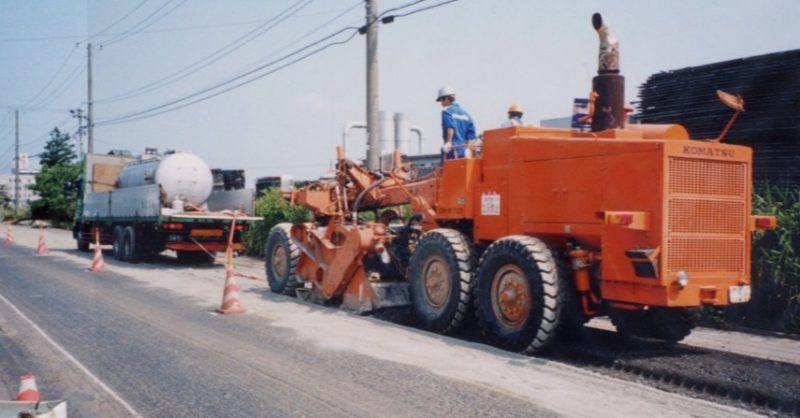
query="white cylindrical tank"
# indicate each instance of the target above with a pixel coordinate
(402, 139)
(182, 175)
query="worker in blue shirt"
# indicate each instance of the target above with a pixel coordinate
(458, 130)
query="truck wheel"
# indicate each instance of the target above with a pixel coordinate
(129, 248)
(117, 244)
(83, 245)
(280, 258)
(673, 324)
(518, 294)
(440, 272)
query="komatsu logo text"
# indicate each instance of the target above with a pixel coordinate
(709, 152)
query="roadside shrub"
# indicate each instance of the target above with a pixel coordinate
(776, 261)
(274, 209)
(775, 268)
(24, 213)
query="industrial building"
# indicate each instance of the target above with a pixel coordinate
(27, 177)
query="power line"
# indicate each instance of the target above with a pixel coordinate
(83, 38)
(144, 24)
(149, 112)
(125, 16)
(208, 93)
(422, 9)
(44, 136)
(400, 7)
(52, 78)
(215, 56)
(62, 88)
(307, 34)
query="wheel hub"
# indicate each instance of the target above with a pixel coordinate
(511, 295)
(436, 281)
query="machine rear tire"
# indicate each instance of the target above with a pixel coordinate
(117, 244)
(441, 271)
(631, 323)
(673, 324)
(666, 324)
(281, 256)
(518, 294)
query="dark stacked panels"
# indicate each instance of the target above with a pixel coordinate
(770, 86)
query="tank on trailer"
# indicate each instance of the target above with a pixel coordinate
(181, 175)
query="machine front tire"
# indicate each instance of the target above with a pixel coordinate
(281, 256)
(519, 294)
(441, 274)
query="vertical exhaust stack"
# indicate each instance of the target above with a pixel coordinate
(609, 107)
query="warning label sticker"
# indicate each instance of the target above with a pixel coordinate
(490, 204)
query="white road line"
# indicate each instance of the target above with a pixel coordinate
(75, 361)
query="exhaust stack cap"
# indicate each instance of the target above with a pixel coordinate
(608, 58)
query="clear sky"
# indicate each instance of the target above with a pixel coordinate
(540, 54)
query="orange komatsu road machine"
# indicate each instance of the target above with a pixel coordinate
(541, 230)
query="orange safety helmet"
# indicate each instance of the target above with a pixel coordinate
(515, 108)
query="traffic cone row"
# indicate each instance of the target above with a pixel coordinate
(42, 247)
(28, 392)
(231, 303)
(98, 265)
(9, 235)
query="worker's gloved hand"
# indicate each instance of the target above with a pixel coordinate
(447, 147)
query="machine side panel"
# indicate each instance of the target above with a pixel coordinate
(455, 197)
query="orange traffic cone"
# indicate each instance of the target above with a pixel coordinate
(42, 247)
(98, 265)
(231, 304)
(28, 392)
(9, 235)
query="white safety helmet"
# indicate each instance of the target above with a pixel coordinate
(444, 92)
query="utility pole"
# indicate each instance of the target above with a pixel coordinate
(373, 149)
(16, 163)
(89, 117)
(78, 113)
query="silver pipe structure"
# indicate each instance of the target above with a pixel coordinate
(386, 142)
(402, 142)
(417, 130)
(346, 131)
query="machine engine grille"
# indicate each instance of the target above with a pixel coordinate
(707, 215)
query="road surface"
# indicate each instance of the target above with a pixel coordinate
(142, 340)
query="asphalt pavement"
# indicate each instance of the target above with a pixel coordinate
(112, 346)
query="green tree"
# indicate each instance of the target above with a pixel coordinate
(58, 150)
(5, 197)
(57, 183)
